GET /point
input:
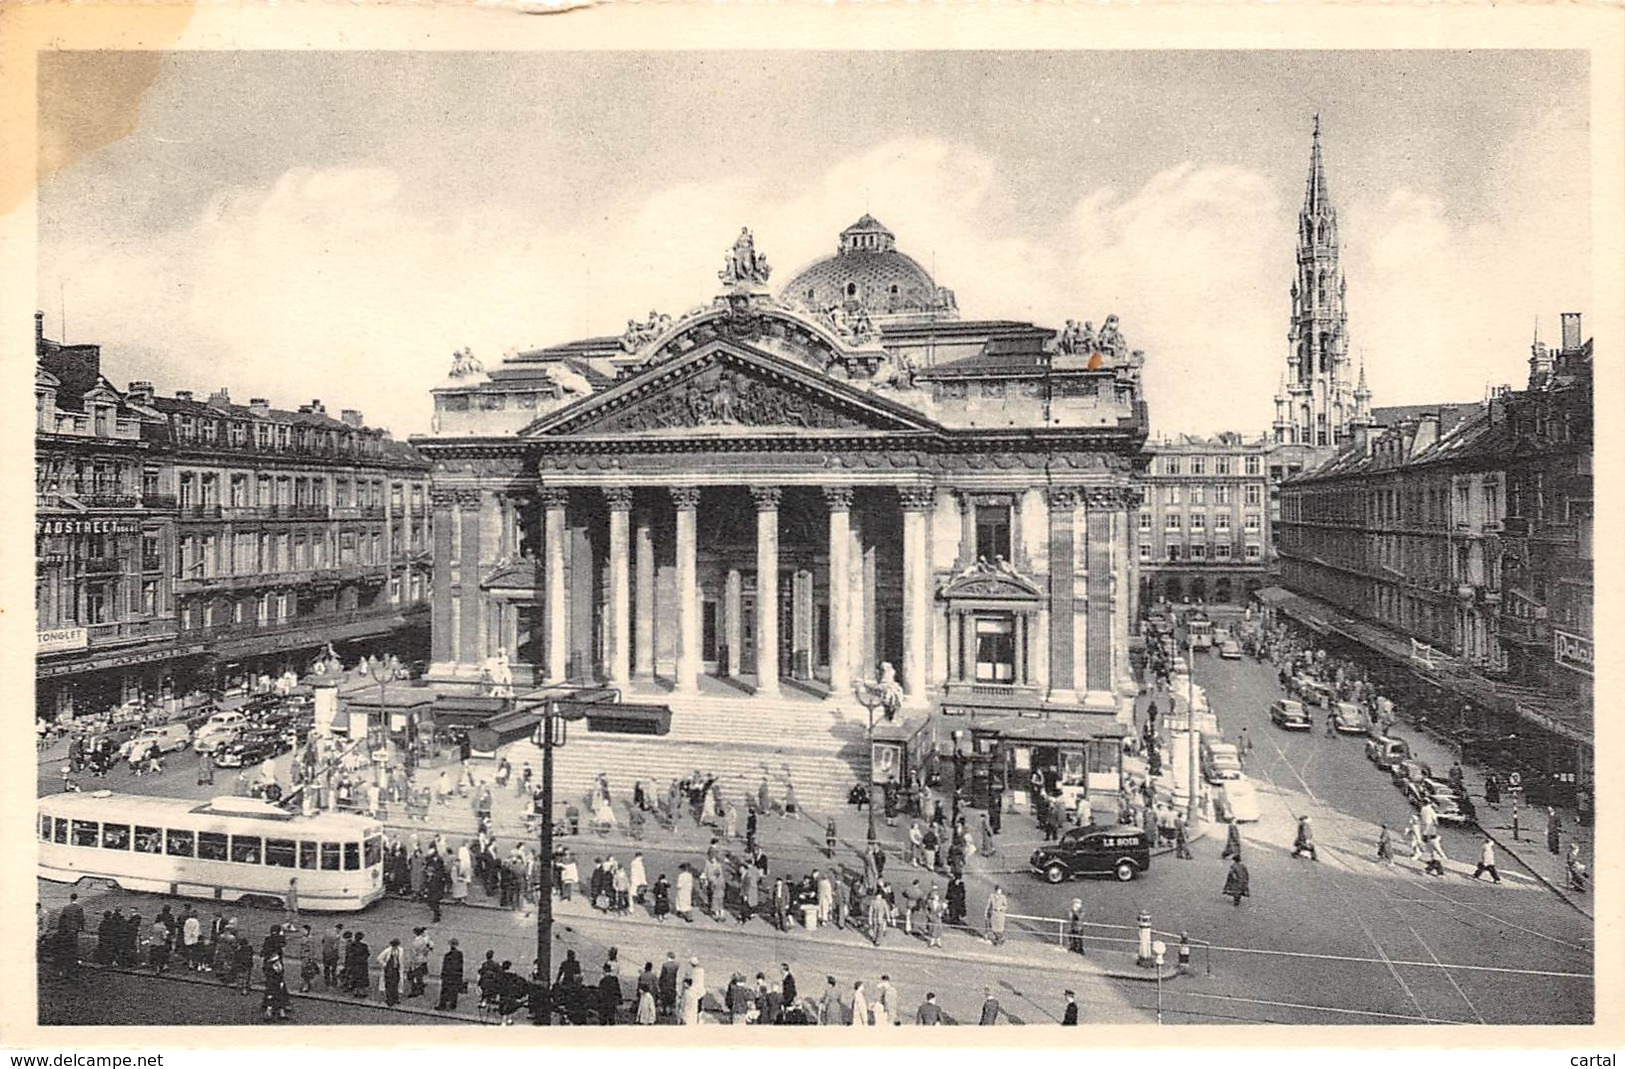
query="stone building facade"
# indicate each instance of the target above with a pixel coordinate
(184, 544)
(1204, 531)
(790, 490)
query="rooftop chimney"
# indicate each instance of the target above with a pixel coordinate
(306, 409)
(351, 417)
(220, 397)
(1363, 436)
(315, 406)
(259, 406)
(141, 391)
(1427, 432)
(1571, 331)
(183, 395)
(39, 327)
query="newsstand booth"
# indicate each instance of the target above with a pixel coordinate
(1081, 756)
(898, 748)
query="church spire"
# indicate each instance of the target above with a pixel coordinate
(1315, 199)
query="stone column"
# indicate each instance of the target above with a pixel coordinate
(618, 617)
(1019, 640)
(733, 624)
(839, 500)
(687, 501)
(858, 654)
(1063, 507)
(468, 577)
(767, 589)
(917, 503)
(643, 624)
(443, 644)
(554, 499)
(1097, 635)
(967, 531)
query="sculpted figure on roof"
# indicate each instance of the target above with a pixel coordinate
(745, 266)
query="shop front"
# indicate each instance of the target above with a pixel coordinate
(1066, 757)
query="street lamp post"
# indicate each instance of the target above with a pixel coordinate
(1190, 726)
(385, 672)
(870, 700)
(549, 734)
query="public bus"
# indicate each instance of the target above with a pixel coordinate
(1201, 632)
(227, 849)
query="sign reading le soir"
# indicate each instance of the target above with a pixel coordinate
(78, 527)
(1573, 651)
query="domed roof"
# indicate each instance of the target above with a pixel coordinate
(867, 269)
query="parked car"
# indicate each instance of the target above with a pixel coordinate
(1219, 761)
(1290, 715)
(251, 749)
(1410, 769)
(1311, 691)
(1123, 852)
(1240, 798)
(1385, 752)
(165, 738)
(220, 728)
(1230, 650)
(1350, 719)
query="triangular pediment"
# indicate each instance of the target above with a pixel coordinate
(983, 581)
(729, 387)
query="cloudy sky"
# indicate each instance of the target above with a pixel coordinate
(302, 225)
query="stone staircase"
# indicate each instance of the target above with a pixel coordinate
(819, 745)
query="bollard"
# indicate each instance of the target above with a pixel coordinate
(1146, 958)
(1184, 954)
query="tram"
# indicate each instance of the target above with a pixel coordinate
(226, 850)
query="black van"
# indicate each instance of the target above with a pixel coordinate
(1122, 851)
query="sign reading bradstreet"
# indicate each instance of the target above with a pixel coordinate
(63, 638)
(1573, 651)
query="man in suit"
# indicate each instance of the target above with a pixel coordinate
(1070, 1016)
(990, 1007)
(788, 984)
(929, 1012)
(451, 977)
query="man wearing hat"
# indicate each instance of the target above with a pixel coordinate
(1070, 1016)
(1305, 842)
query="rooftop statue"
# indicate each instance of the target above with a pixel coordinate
(744, 265)
(465, 364)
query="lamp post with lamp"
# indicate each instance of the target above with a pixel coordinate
(1159, 949)
(870, 699)
(386, 671)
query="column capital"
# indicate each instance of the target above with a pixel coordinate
(553, 497)
(442, 498)
(1064, 497)
(619, 497)
(1112, 497)
(917, 498)
(685, 497)
(766, 497)
(468, 500)
(838, 498)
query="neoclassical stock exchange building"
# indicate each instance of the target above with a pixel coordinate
(740, 511)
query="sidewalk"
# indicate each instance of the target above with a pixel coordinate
(1529, 848)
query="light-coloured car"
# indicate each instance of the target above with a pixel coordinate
(1230, 650)
(1350, 718)
(220, 728)
(1240, 797)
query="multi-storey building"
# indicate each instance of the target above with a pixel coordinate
(1203, 530)
(184, 544)
(103, 537)
(794, 489)
(1468, 531)
(293, 530)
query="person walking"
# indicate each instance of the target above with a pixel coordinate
(666, 986)
(885, 1005)
(1237, 882)
(1435, 858)
(998, 910)
(1554, 831)
(451, 977)
(830, 836)
(390, 960)
(418, 975)
(1305, 841)
(1069, 1016)
(1182, 847)
(609, 996)
(1074, 927)
(989, 848)
(1232, 841)
(859, 1015)
(929, 1013)
(990, 1008)
(830, 1010)
(1385, 846)
(1486, 860)
(1413, 837)
(689, 1012)
(685, 893)
(935, 908)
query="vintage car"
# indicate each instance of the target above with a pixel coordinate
(1123, 852)
(1385, 751)
(1349, 719)
(1230, 650)
(1240, 799)
(1290, 715)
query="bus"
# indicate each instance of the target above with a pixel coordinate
(227, 849)
(1201, 632)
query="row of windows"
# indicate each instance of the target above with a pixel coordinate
(203, 488)
(1251, 522)
(278, 436)
(1252, 494)
(212, 846)
(246, 553)
(1198, 551)
(1251, 465)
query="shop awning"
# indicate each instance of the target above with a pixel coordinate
(1052, 729)
(1274, 595)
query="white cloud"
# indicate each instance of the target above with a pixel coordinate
(343, 284)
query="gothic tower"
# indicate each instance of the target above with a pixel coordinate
(1317, 399)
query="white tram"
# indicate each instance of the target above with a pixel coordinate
(227, 849)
